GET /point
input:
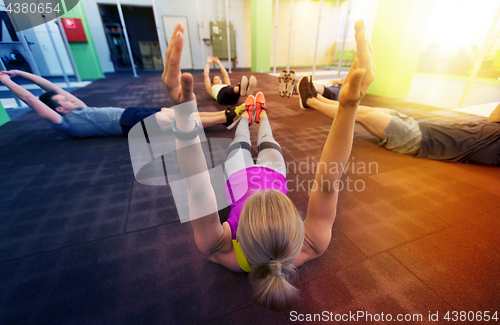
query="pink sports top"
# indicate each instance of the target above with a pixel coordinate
(240, 186)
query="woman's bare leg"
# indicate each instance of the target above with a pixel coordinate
(206, 119)
(211, 121)
(170, 111)
(211, 114)
(269, 157)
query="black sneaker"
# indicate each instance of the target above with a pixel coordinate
(304, 92)
(233, 115)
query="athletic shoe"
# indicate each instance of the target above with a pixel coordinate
(314, 92)
(252, 83)
(282, 81)
(239, 109)
(260, 105)
(290, 92)
(233, 115)
(243, 86)
(249, 106)
(304, 92)
(294, 90)
(290, 83)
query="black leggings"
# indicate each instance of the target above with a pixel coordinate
(331, 93)
(227, 96)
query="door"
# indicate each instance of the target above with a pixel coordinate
(141, 32)
(168, 26)
(43, 51)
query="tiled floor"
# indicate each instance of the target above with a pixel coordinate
(82, 242)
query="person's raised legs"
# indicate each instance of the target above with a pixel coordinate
(329, 109)
(260, 106)
(239, 152)
(270, 154)
(205, 119)
(374, 119)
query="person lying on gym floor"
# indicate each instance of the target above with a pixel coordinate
(330, 90)
(264, 235)
(223, 92)
(68, 114)
(477, 142)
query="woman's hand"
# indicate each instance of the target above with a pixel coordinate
(210, 60)
(179, 86)
(362, 72)
(217, 61)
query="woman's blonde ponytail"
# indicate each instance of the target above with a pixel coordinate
(271, 234)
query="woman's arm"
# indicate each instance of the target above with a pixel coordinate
(46, 85)
(208, 232)
(206, 73)
(324, 194)
(210, 236)
(223, 71)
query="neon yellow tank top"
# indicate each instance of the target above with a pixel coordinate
(240, 257)
(216, 89)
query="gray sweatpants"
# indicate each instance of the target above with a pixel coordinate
(240, 157)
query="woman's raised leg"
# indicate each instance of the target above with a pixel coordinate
(239, 154)
(270, 153)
